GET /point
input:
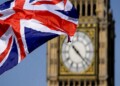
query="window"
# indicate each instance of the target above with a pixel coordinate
(60, 83)
(94, 9)
(76, 83)
(93, 83)
(78, 9)
(89, 10)
(83, 10)
(82, 83)
(87, 83)
(66, 83)
(71, 83)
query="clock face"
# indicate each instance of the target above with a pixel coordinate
(78, 54)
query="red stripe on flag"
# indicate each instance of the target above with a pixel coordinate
(47, 2)
(65, 1)
(55, 22)
(16, 29)
(19, 4)
(3, 29)
(1, 15)
(14, 21)
(3, 54)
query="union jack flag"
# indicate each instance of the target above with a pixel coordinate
(27, 24)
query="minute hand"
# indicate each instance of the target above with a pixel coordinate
(79, 54)
(77, 51)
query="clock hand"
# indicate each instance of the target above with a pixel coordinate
(76, 51)
(79, 54)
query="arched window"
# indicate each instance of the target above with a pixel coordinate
(93, 83)
(60, 83)
(76, 83)
(78, 9)
(82, 83)
(94, 9)
(89, 10)
(71, 83)
(88, 83)
(66, 83)
(83, 9)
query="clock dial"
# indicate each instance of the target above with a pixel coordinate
(78, 54)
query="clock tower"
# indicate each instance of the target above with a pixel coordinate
(89, 59)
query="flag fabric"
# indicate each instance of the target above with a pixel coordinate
(27, 24)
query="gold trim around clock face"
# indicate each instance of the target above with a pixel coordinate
(92, 70)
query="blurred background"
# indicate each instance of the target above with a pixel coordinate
(32, 70)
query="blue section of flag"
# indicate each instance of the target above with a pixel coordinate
(72, 13)
(6, 5)
(31, 1)
(12, 59)
(36, 38)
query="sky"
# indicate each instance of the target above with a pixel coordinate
(32, 70)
